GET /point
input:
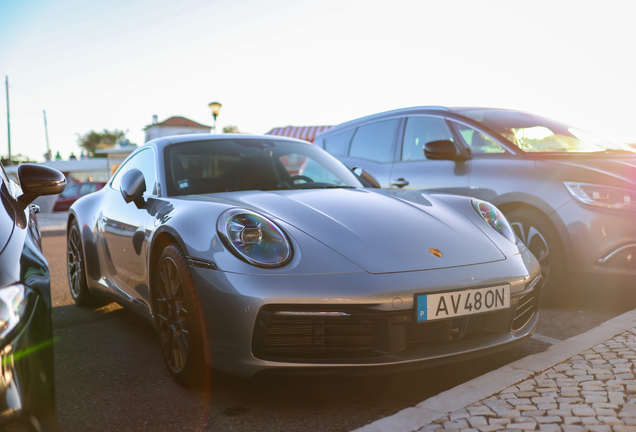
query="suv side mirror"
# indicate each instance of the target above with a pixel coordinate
(441, 150)
(36, 180)
(365, 178)
(133, 186)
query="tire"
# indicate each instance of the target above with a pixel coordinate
(538, 234)
(178, 319)
(76, 270)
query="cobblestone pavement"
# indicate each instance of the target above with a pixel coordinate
(593, 391)
(584, 383)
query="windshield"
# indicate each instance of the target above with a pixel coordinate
(540, 135)
(252, 164)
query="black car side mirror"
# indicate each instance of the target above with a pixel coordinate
(441, 150)
(36, 180)
(365, 178)
(133, 186)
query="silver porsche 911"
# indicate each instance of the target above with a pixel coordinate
(254, 253)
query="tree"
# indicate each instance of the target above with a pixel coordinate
(92, 140)
(231, 129)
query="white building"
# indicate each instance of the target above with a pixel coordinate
(174, 126)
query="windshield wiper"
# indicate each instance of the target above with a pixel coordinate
(321, 186)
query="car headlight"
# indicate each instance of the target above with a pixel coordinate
(602, 196)
(13, 302)
(495, 219)
(254, 238)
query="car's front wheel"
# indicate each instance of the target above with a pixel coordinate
(75, 268)
(178, 319)
(542, 239)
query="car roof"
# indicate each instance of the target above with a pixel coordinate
(390, 113)
(427, 109)
(163, 142)
(176, 139)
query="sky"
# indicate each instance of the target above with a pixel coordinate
(272, 63)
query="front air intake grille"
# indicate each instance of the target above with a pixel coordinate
(329, 337)
(527, 306)
(322, 334)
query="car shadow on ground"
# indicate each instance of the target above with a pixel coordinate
(110, 372)
(110, 375)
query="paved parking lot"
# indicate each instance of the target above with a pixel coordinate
(110, 374)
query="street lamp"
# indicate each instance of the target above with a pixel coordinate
(215, 107)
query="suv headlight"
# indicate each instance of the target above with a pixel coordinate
(602, 196)
(254, 238)
(495, 219)
(13, 303)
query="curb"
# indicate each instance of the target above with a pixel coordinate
(491, 383)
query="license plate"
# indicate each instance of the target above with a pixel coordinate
(459, 303)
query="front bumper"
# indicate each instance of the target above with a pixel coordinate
(238, 311)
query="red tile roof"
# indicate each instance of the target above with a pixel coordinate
(307, 133)
(179, 122)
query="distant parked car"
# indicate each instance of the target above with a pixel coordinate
(27, 379)
(73, 192)
(569, 196)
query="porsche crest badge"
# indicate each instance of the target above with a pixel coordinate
(435, 252)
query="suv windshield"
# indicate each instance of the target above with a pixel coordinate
(536, 134)
(252, 164)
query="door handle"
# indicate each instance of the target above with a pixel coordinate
(400, 183)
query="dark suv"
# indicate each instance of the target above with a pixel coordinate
(27, 390)
(570, 196)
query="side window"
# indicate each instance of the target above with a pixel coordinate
(144, 161)
(374, 141)
(477, 141)
(422, 130)
(338, 145)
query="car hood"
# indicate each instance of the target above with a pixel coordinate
(378, 232)
(618, 171)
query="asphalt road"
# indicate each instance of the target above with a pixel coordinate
(110, 375)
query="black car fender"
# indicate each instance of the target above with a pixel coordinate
(87, 224)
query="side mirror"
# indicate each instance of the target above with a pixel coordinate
(365, 178)
(441, 150)
(36, 180)
(133, 186)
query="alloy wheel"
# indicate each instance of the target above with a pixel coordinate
(537, 244)
(74, 262)
(172, 316)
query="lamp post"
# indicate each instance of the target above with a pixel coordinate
(215, 107)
